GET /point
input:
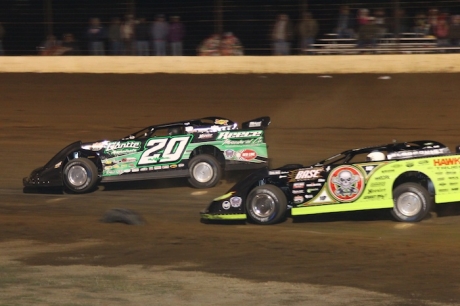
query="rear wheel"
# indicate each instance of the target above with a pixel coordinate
(205, 171)
(80, 175)
(266, 204)
(412, 202)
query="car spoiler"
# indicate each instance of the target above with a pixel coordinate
(258, 123)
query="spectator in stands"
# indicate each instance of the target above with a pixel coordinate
(160, 34)
(421, 27)
(454, 31)
(281, 35)
(114, 35)
(362, 17)
(69, 45)
(381, 22)
(176, 35)
(127, 34)
(230, 45)
(432, 20)
(142, 35)
(50, 46)
(210, 46)
(398, 24)
(96, 36)
(307, 29)
(368, 34)
(2, 34)
(345, 23)
(442, 31)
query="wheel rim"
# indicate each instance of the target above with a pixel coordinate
(263, 205)
(203, 172)
(409, 204)
(77, 175)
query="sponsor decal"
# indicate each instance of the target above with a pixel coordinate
(226, 205)
(450, 172)
(128, 160)
(313, 185)
(382, 177)
(255, 124)
(423, 162)
(308, 196)
(374, 197)
(455, 189)
(298, 199)
(121, 148)
(377, 190)
(388, 171)
(409, 164)
(221, 122)
(235, 202)
(239, 134)
(135, 170)
(346, 183)
(274, 172)
(443, 190)
(442, 184)
(378, 184)
(172, 166)
(144, 169)
(453, 177)
(321, 180)
(165, 167)
(310, 190)
(205, 136)
(446, 161)
(298, 191)
(229, 154)
(247, 154)
(438, 173)
(309, 174)
(298, 185)
(415, 153)
(157, 167)
(453, 184)
(441, 179)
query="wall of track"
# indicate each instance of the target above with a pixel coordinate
(329, 64)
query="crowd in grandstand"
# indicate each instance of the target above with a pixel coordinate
(131, 36)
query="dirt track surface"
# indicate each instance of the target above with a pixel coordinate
(338, 259)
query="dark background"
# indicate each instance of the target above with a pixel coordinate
(27, 22)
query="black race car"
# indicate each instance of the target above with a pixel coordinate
(199, 149)
(407, 177)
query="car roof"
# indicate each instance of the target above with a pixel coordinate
(205, 121)
(399, 146)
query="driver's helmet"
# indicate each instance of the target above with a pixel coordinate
(174, 131)
(375, 156)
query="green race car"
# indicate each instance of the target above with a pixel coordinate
(199, 149)
(408, 178)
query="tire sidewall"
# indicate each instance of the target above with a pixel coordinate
(213, 163)
(420, 214)
(275, 216)
(90, 176)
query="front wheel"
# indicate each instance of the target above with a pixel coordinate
(80, 175)
(266, 204)
(412, 202)
(205, 171)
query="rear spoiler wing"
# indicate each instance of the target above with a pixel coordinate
(258, 123)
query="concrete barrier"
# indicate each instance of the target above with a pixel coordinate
(330, 64)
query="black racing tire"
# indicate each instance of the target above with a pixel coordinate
(205, 171)
(412, 202)
(266, 204)
(122, 215)
(80, 175)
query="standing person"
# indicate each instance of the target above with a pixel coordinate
(308, 29)
(96, 36)
(69, 45)
(345, 23)
(176, 35)
(115, 37)
(281, 35)
(127, 34)
(141, 34)
(2, 34)
(160, 32)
